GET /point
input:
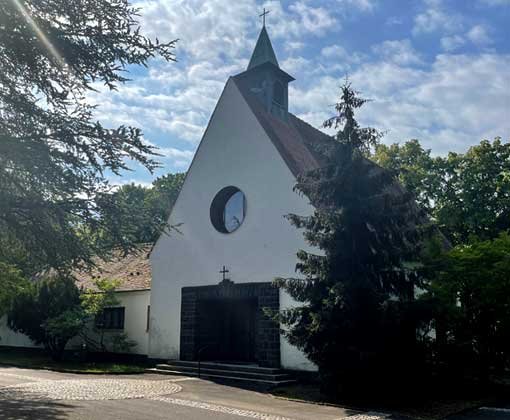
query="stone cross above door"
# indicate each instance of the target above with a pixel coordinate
(224, 271)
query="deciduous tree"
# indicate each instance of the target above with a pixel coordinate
(469, 294)
(466, 194)
(139, 214)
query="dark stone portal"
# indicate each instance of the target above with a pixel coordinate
(227, 322)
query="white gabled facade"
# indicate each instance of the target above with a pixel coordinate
(235, 150)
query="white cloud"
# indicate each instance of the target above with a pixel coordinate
(363, 5)
(117, 182)
(459, 101)
(438, 104)
(207, 30)
(294, 45)
(335, 59)
(479, 35)
(400, 52)
(179, 158)
(451, 43)
(298, 20)
(436, 19)
(215, 40)
(394, 20)
(294, 65)
(334, 51)
(315, 20)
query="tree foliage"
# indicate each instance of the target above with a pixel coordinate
(466, 288)
(469, 293)
(49, 313)
(465, 194)
(52, 310)
(54, 155)
(139, 214)
(358, 288)
(94, 304)
(12, 282)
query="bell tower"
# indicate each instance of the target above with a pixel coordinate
(266, 80)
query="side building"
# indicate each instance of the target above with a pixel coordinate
(130, 316)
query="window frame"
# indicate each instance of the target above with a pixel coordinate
(218, 205)
(112, 318)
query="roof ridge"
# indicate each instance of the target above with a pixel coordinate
(311, 126)
(290, 139)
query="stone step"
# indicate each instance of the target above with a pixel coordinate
(216, 370)
(265, 382)
(227, 366)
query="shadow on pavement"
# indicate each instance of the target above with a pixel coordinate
(24, 409)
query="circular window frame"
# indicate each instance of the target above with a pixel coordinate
(217, 208)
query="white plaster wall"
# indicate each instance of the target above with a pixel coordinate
(234, 151)
(10, 338)
(135, 318)
(135, 323)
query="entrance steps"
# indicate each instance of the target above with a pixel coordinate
(225, 371)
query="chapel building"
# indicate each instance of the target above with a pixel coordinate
(212, 278)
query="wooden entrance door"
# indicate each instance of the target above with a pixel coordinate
(228, 329)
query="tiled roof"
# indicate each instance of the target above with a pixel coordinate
(300, 144)
(133, 271)
(295, 140)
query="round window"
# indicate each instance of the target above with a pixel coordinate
(228, 209)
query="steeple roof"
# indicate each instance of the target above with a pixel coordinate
(263, 51)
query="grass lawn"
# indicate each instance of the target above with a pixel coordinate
(426, 409)
(39, 360)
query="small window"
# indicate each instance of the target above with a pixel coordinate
(228, 209)
(279, 93)
(148, 317)
(111, 319)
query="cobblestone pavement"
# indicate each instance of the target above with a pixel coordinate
(253, 414)
(221, 409)
(49, 395)
(90, 389)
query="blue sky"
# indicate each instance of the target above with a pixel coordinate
(437, 70)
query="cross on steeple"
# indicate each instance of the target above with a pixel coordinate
(263, 16)
(224, 271)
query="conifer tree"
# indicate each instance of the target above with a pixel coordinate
(357, 289)
(55, 157)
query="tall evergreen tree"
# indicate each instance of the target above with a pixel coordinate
(357, 289)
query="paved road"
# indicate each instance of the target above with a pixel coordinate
(43, 395)
(499, 412)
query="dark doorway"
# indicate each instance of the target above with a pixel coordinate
(228, 322)
(227, 329)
